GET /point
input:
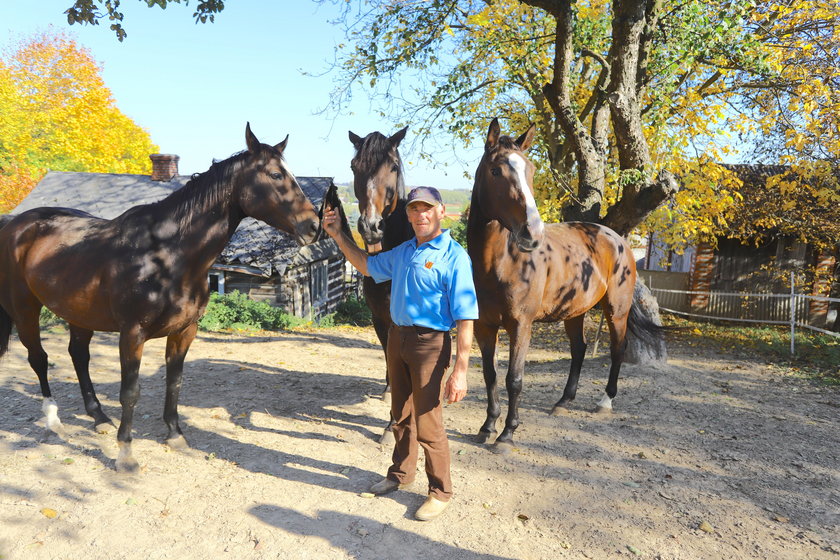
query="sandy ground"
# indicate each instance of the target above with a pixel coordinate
(711, 456)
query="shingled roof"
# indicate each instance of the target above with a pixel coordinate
(255, 247)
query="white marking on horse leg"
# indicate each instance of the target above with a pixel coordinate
(605, 404)
(50, 408)
(517, 163)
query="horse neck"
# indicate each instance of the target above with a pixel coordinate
(484, 234)
(203, 214)
(398, 230)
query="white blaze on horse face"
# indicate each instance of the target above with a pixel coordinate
(532, 215)
(371, 215)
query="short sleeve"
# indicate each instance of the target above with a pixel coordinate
(380, 267)
(462, 300)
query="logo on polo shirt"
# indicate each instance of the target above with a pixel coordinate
(429, 264)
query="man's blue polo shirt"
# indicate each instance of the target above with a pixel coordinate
(432, 285)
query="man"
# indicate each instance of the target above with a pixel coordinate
(432, 291)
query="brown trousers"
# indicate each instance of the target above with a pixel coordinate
(417, 360)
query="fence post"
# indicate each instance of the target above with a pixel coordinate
(792, 313)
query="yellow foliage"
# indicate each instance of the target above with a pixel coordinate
(57, 114)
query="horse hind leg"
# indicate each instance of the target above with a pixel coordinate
(618, 344)
(577, 343)
(79, 349)
(29, 333)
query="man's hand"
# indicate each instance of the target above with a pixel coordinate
(456, 386)
(330, 222)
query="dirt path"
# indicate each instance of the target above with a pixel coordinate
(708, 457)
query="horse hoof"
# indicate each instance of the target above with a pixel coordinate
(483, 437)
(179, 443)
(603, 410)
(502, 447)
(559, 410)
(387, 438)
(127, 465)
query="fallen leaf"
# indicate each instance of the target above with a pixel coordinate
(705, 527)
(631, 484)
(633, 549)
(522, 517)
(781, 519)
(68, 461)
(367, 495)
(49, 513)
(130, 502)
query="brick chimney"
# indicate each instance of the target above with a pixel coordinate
(164, 166)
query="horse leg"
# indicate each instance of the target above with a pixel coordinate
(574, 330)
(486, 337)
(177, 345)
(520, 340)
(381, 327)
(618, 343)
(131, 352)
(79, 349)
(29, 333)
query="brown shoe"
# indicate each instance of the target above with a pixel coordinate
(430, 509)
(385, 486)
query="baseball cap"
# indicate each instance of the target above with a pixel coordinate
(429, 195)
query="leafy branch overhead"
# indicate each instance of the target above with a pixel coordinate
(92, 11)
(637, 102)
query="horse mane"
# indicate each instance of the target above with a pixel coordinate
(331, 198)
(375, 149)
(204, 190)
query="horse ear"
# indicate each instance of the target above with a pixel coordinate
(524, 142)
(492, 134)
(282, 145)
(398, 137)
(251, 140)
(355, 139)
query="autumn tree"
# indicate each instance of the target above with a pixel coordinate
(57, 114)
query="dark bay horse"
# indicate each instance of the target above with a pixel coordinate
(527, 271)
(380, 190)
(142, 274)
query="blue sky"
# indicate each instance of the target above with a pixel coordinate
(194, 86)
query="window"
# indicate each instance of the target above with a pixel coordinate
(318, 276)
(216, 282)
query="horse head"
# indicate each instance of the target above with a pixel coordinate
(504, 184)
(268, 191)
(377, 181)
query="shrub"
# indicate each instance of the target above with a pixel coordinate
(238, 311)
(352, 311)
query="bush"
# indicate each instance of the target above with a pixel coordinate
(238, 311)
(47, 319)
(352, 311)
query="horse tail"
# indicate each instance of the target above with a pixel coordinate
(643, 327)
(5, 330)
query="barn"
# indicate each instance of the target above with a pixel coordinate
(260, 261)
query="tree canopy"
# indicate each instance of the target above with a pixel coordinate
(57, 114)
(628, 96)
(637, 102)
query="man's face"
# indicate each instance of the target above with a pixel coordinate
(425, 219)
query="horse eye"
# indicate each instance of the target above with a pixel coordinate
(276, 175)
(496, 171)
(396, 168)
